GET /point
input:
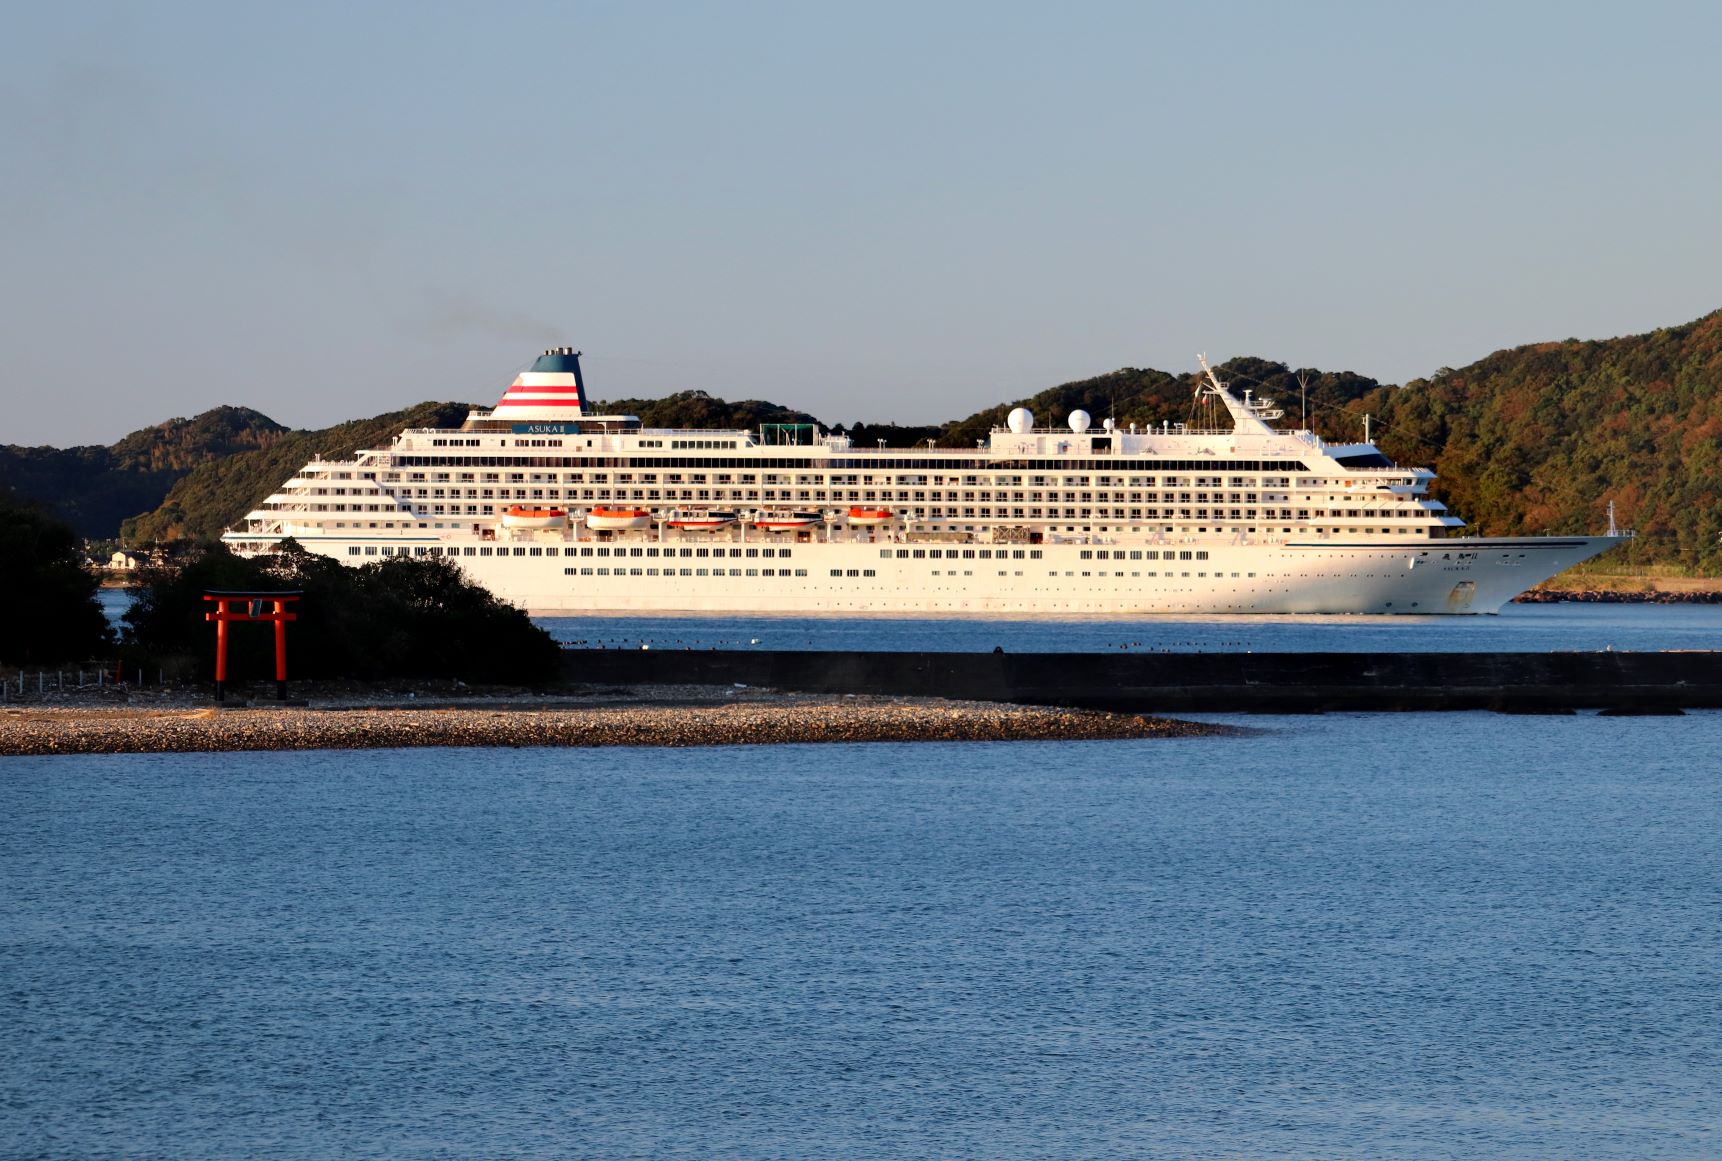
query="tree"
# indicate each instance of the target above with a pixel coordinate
(397, 617)
(48, 609)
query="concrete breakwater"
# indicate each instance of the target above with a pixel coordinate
(1618, 597)
(1202, 682)
(765, 720)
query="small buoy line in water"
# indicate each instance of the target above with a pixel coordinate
(641, 643)
(686, 644)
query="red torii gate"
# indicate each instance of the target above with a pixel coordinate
(253, 610)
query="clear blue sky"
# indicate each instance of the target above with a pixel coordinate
(871, 211)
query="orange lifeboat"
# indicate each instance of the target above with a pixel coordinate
(871, 517)
(618, 519)
(520, 516)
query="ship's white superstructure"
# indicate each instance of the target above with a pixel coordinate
(556, 510)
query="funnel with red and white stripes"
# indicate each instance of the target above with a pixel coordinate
(551, 389)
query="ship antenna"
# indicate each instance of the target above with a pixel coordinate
(1196, 395)
(1303, 399)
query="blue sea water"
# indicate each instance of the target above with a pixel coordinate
(1530, 628)
(115, 604)
(1436, 935)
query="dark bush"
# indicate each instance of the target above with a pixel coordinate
(48, 609)
(396, 618)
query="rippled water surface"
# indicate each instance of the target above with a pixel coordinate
(1346, 936)
(1527, 628)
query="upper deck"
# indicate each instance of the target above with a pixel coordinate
(541, 422)
(1045, 449)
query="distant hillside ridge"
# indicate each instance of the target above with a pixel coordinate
(1540, 438)
(94, 488)
(1129, 395)
(1148, 397)
(698, 410)
(217, 494)
(1536, 439)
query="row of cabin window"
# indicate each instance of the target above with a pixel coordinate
(390, 550)
(1102, 573)
(954, 553)
(1302, 483)
(1112, 468)
(601, 571)
(771, 480)
(650, 490)
(1035, 554)
(801, 490)
(836, 572)
(1151, 573)
(621, 551)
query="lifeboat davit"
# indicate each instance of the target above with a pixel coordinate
(786, 521)
(701, 521)
(521, 516)
(871, 517)
(618, 519)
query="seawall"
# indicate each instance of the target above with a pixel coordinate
(1619, 597)
(1200, 682)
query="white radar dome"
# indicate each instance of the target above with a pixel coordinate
(1079, 421)
(1020, 420)
(1109, 423)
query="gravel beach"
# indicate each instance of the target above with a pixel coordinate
(661, 716)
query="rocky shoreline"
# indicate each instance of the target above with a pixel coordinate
(688, 717)
(1616, 597)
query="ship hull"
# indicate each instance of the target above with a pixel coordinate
(1457, 576)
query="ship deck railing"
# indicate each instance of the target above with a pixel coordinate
(728, 432)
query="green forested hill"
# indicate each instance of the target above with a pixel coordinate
(94, 488)
(696, 410)
(1534, 439)
(700, 411)
(1146, 397)
(1541, 438)
(1529, 440)
(182, 444)
(218, 493)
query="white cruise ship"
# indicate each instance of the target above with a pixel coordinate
(556, 510)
